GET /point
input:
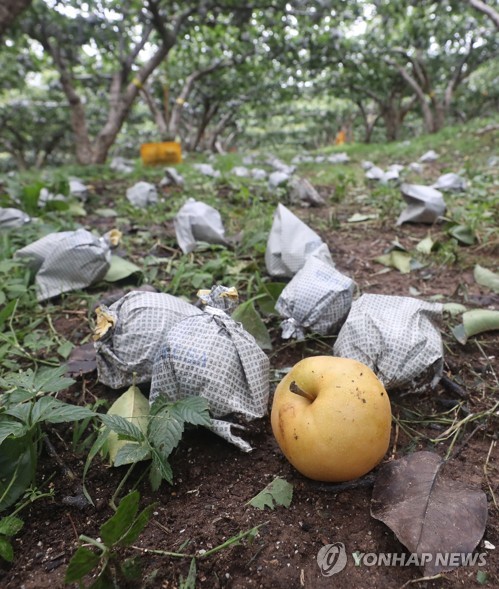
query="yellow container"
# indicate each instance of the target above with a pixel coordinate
(166, 152)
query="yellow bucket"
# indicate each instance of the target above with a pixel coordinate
(166, 152)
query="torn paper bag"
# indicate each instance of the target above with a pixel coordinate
(397, 337)
(212, 356)
(424, 204)
(317, 299)
(289, 243)
(129, 333)
(197, 221)
(68, 260)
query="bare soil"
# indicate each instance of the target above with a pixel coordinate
(214, 481)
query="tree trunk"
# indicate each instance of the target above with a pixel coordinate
(209, 111)
(178, 106)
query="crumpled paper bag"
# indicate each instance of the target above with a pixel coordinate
(429, 156)
(240, 171)
(142, 194)
(338, 158)
(424, 204)
(289, 243)
(171, 178)
(318, 299)
(129, 333)
(278, 178)
(77, 189)
(397, 337)
(213, 356)
(301, 192)
(10, 218)
(68, 260)
(451, 182)
(197, 221)
(207, 170)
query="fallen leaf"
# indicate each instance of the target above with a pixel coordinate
(463, 234)
(278, 492)
(486, 277)
(396, 259)
(430, 514)
(252, 322)
(119, 269)
(360, 218)
(82, 360)
(475, 322)
(425, 245)
(132, 406)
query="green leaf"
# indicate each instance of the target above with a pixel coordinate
(267, 296)
(6, 550)
(94, 450)
(165, 432)
(278, 492)
(193, 410)
(52, 380)
(130, 454)
(252, 322)
(9, 427)
(122, 427)
(481, 577)
(117, 525)
(486, 278)
(54, 411)
(190, 581)
(138, 525)
(160, 470)
(133, 407)
(10, 525)
(463, 234)
(83, 562)
(119, 269)
(475, 322)
(106, 213)
(65, 349)
(18, 466)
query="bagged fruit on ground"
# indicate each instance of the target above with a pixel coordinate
(424, 204)
(397, 337)
(197, 221)
(214, 357)
(129, 333)
(301, 192)
(10, 217)
(289, 243)
(68, 260)
(317, 299)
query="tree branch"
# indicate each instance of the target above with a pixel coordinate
(486, 9)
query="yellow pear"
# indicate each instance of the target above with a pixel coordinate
(332, 418)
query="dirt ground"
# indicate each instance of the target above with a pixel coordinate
(208, 502)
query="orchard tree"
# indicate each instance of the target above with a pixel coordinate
(435, 47)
